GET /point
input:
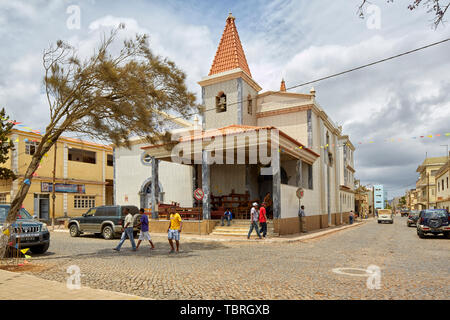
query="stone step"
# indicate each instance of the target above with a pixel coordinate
(231, 228)
(217, 233)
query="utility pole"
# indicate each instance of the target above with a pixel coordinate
(428, 191)
(53, 187)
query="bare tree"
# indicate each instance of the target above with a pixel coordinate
(437, 7)
(108, 97)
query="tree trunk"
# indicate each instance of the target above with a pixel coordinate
(46, 143)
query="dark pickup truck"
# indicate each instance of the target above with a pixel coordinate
(104, 220)
(26, 232)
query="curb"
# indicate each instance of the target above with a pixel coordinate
(269, 240)
(272, 240)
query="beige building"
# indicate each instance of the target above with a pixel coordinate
(426, 185)
(84, 176)
(347, 174)
(411, 198)
(443, 190)
(310, 154)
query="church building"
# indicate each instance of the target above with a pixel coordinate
(226, 155)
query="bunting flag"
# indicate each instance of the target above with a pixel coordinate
(27, 257)
(24, 250)
(6, 232)
(27, 181)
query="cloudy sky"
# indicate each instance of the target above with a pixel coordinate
(296, 39)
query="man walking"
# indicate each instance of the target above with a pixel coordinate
(174, 231)
(263, 220)
(254, 217)
(302, 219)
(127, 230)
(144, 234)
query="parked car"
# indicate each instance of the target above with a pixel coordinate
(412, 218)
(433, 221)
(104, 220)
(404, 212)
(385, 215)
(26, 231)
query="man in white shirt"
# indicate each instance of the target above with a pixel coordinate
(254, 218)
(127, 230)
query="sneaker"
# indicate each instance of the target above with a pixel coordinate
(171, 251)
(115, 249)
(133, 249)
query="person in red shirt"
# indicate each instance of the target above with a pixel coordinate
(263, 219)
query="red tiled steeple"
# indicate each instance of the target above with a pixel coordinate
(230, 54)
(283, 86)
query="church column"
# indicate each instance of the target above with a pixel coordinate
(206, 174)
(276, 181)
(154, 187)
(299, 173)
(194, 182)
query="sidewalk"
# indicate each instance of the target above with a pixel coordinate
(281, 239)
(19, 286)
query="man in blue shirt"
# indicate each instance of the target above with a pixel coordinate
(227, 216)
(144, 235)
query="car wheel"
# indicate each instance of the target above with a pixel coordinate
(379, 221)
(41, 248)
(421, 234)
(108, 233)
(74, 231)
(447, 234)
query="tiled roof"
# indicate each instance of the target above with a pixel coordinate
(237, 129)
(230, 54)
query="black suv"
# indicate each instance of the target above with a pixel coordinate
(104, 220)
(433, 221)
(26, 232)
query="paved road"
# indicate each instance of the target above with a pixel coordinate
(411, 268)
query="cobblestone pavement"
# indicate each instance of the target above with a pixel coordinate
(411, 268)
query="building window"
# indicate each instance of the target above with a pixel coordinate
(82, 155)
(3, 198)
(221, 102)
(109, 160)
(30, 147)
(249, 104)
(84, 202)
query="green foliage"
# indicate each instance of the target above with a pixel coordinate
(402, 201)
(6, 145)
(110, 96)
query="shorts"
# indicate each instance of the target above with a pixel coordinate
(144, 235)
(174, 235)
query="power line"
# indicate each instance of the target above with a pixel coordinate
(342, 73)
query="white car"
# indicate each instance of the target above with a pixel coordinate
(385, 215)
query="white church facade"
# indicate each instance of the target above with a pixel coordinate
(313, 154)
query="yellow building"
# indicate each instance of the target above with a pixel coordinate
(84, 176)
(426, 185)
(411, 199)
(443, 189)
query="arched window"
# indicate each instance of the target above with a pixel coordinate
(221, 102)
(249, 104)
